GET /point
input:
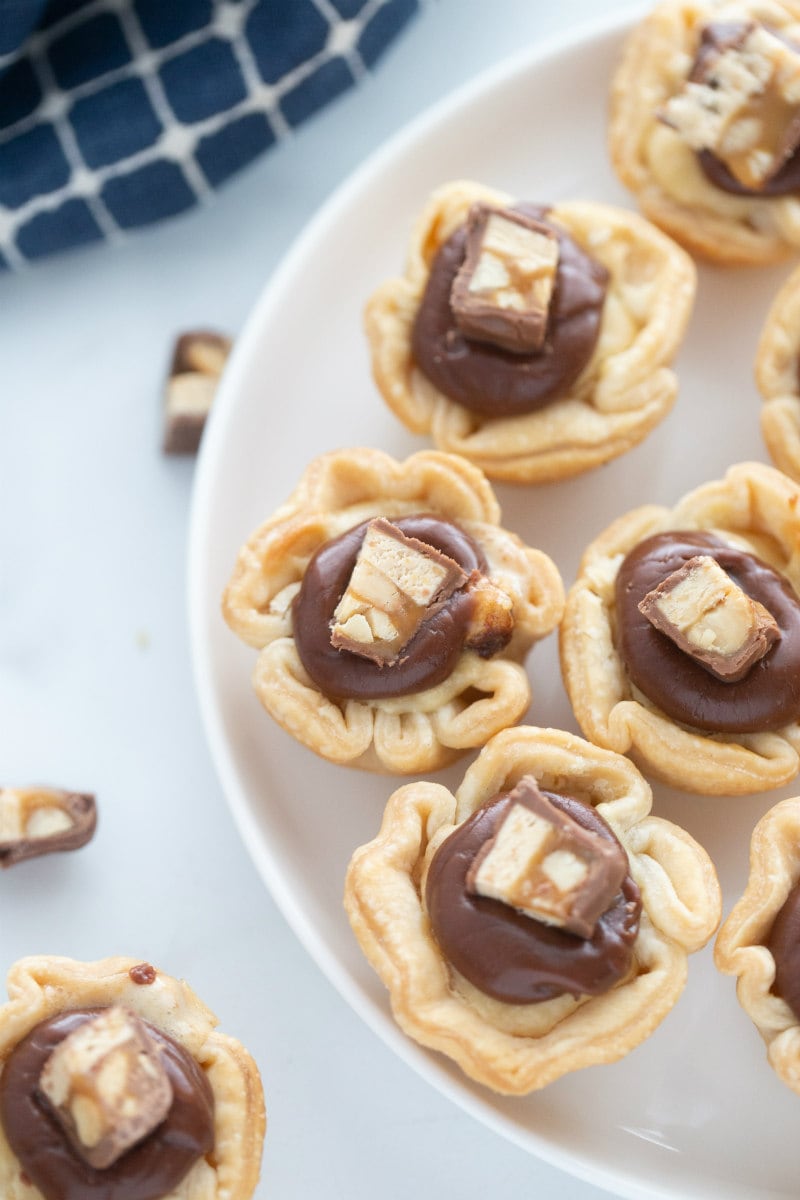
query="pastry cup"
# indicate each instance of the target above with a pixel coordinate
(739, 949)
(777, 370)
(44, 986)
(755, 508)
(518, 1048)
(406, 734)
(624, 390)
(661, 169)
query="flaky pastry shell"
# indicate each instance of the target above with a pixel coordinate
(777, 371)
(406, 734)
(625, 389)
(739, 950)
(518, 1048)
(661, 169)
(43, 986)
(755, 508)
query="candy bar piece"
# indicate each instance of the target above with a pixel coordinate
(502, 292)
(395, 584)
(197, 363)
(743, 104)
(709, 617)
(36, 821)
(107, 1086)
(545, 865)
(491, 622)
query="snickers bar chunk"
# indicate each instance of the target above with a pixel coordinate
(198, 360)
(396, 582)
(709, 617)
(542, 863)
(502, 292)
(36, 821)
(743, 104)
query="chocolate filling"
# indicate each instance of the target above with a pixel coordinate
(512, 957)
(716, 38)
(769, 695)
(495, 382)
(431, 654)
(783, 942)
(149, 1170)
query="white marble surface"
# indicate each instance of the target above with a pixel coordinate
(96, 689)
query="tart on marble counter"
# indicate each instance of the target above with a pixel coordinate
(539, 920)
(705, 125)
(680, 643)
(391, 610)
(535, 341)
(758, 942)
(113, 1078)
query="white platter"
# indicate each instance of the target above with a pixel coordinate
(695, 1111)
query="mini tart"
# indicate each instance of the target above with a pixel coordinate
(622, 393)
(404, 734)
(777, 371)
(661, 169)
(740, 948)
(754, 508)
(42, 987)
(518, 1048)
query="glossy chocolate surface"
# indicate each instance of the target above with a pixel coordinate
(768, 697)
(495, 382)
(783, 943)
(433, 651)
(149, 1171)
(512, 957)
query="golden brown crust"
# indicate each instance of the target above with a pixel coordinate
(661, 170)
(622, 393)
(411, 733)
(739, 950)
(511, 1048)
(755, 507)
(777, 370)
(43, 986)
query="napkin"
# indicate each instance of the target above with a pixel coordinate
(118, 113)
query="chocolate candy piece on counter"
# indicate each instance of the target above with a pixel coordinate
(396, 584)
(503, 290)
(36, 821)
(710, 618)
(106, 1086)
(544, 864)
(197, 364)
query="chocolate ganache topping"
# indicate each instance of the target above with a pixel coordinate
(496, 382)
(431, 654)
(148, 1171)
(783, 942)
(768, 697)
(715, 39)
(513, 957)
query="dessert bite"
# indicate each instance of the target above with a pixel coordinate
(42, 820)
(535, 341)
(114, 1081)
(705, 125)
(391, 610)
(680, 643)
(759, 941)
(539, 920)
(198, 360)
(777, 372)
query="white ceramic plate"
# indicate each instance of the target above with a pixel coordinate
(695, 1110)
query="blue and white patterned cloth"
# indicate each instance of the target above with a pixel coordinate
(118, 113)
